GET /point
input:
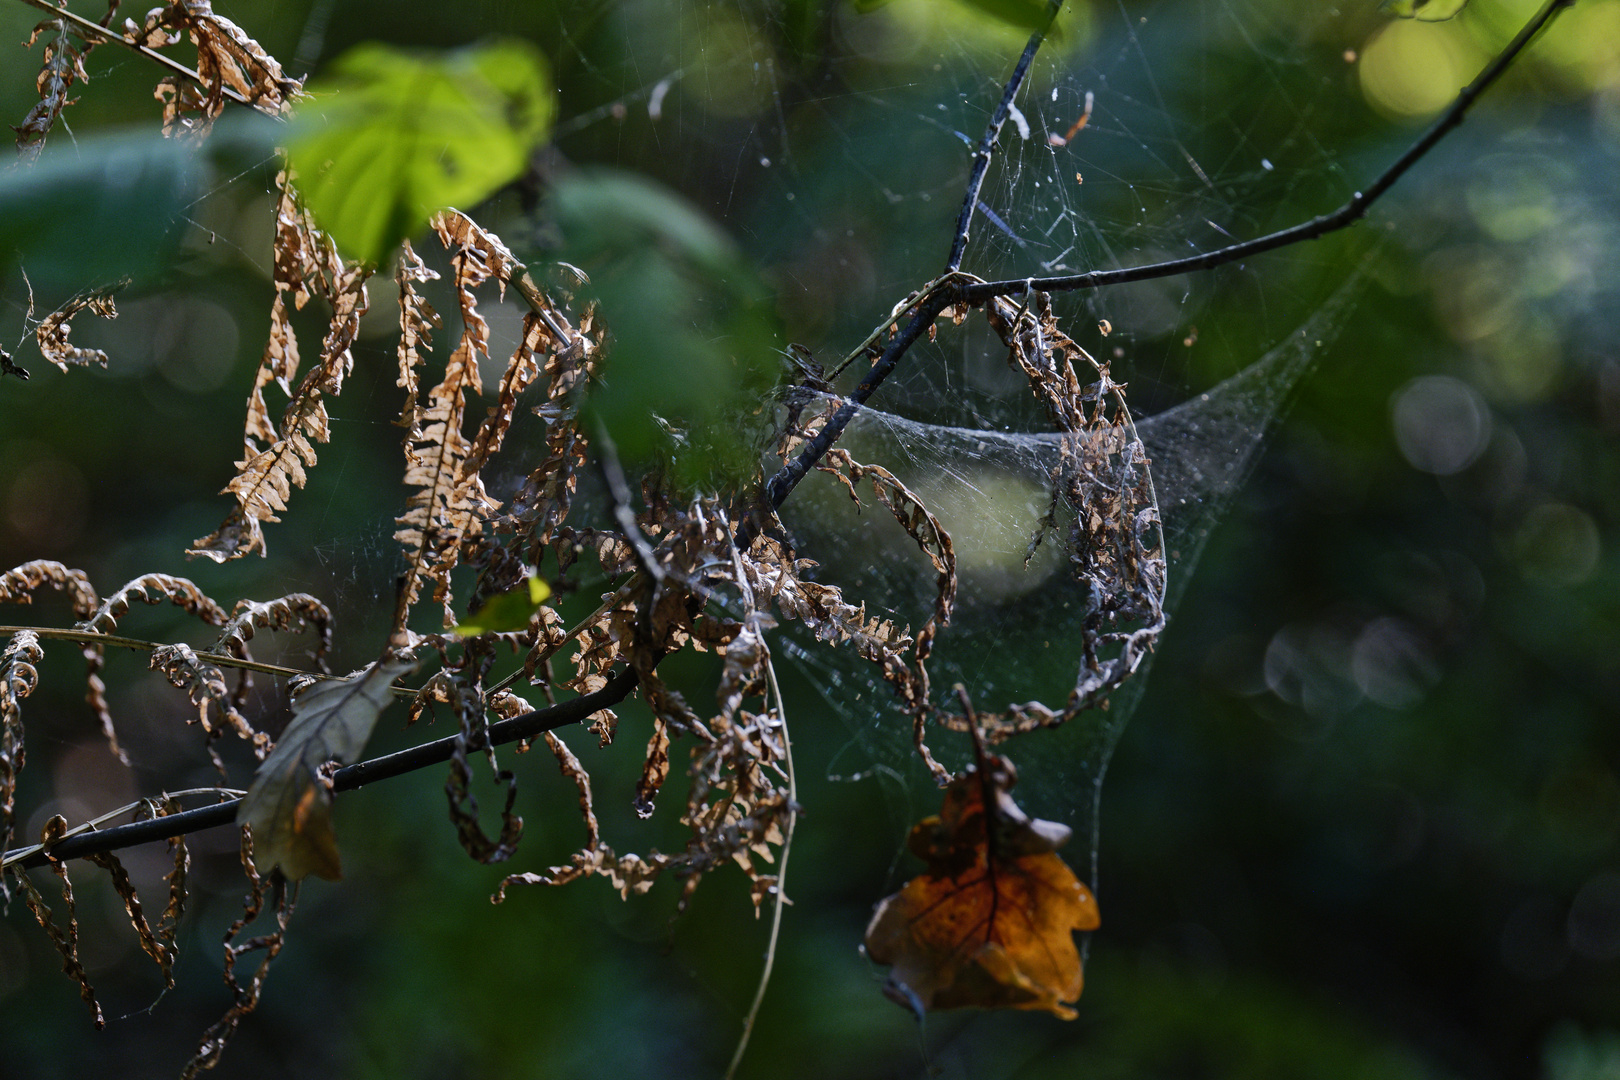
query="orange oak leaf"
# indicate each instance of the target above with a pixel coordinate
(990, 924)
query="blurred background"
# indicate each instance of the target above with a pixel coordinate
(1365, 819)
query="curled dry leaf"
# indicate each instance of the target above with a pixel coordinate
(66, 940)
(245, 995)
(19, 676)
(990, 923)
(289, 805)
(52, 332)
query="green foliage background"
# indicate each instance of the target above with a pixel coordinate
(1295, 878)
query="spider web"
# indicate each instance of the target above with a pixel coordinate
(844, 179)
(837, 153)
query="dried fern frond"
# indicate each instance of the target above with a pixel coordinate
(521, 370)
(544, 501)
(227, 59)
(177, 878)
(52, 332)
(19, 676)
(204, 684)
(449, 505)
(154, 589)
(149, 589)
(66, 940)
(18, 584)
(467, 700)
(159, 951)
(295, 611)
(61, 66)
(306, 263)
(918, 521)
(417, 321)
(245, 997)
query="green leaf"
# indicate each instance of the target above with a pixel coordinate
(1424, 10)
(392, 137)
(288, 806)
(694, 329)
(507, 611)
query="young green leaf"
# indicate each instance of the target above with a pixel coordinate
(288, 806)
(508, 610)
(393, 137)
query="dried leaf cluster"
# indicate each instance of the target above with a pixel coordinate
(708, 571)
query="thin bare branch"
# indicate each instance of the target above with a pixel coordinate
(987, 142)
(97, 32)
(357, 775)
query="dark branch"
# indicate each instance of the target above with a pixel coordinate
(357, 775)
(779, 486)
(787, 478)
(1348, 214)
(987, 143)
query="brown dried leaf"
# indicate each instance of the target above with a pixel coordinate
(654, 771)
(289, 805)
(990, 923)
